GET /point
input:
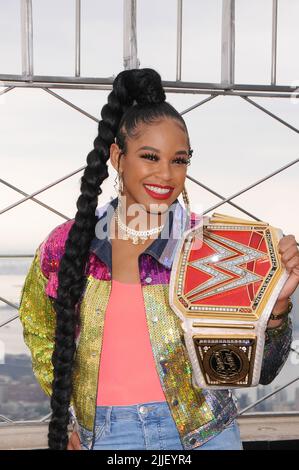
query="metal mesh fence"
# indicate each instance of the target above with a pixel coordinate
(227, 87)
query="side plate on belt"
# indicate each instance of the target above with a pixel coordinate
(225, 279)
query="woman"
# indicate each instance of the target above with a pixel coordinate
(129, 386)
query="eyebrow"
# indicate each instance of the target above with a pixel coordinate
(146, 147)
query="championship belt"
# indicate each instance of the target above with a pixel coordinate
(225, 279)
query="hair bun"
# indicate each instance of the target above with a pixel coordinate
(144, 86)
(149, 89)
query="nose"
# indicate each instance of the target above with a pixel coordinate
(164, 170)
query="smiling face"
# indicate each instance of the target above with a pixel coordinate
(157, 156)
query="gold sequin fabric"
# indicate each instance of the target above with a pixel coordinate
(87, 360)
(38, 318)
(187, 404)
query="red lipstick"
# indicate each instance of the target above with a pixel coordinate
(159, 196)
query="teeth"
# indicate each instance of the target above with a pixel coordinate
(157, 190)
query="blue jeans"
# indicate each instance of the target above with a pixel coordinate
(150, 426)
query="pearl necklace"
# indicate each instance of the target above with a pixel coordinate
(135, 235)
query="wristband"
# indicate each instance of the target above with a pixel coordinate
(278, 316)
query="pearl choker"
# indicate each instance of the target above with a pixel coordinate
(135, 235)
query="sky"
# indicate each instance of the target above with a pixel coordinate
(234, 144)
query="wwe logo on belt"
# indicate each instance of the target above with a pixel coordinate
(227, 256)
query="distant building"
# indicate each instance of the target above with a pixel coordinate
(21, 396)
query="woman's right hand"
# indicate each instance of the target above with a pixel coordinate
(74, 442)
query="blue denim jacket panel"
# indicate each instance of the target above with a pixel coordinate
(162, 248)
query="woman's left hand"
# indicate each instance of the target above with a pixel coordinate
(289, 252)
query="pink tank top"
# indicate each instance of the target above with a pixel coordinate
(127, 373)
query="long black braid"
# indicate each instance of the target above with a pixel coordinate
(120, 117)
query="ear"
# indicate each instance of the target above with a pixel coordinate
(114, 155)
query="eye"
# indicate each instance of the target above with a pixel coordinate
(152, 156)
(149, 156)
(184, 161)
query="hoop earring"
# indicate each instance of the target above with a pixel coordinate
(119, 186)
(186, 200)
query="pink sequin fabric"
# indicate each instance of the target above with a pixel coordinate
(55, 243)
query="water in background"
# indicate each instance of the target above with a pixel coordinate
(12, 277)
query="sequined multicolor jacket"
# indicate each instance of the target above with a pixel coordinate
(199, 414)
